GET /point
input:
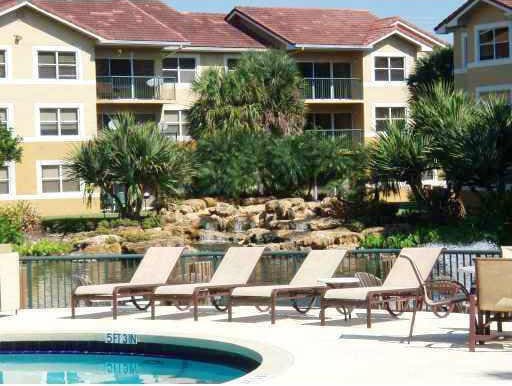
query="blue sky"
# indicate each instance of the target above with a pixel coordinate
(424, 13)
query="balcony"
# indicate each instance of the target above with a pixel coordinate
(332, 89)
(139, 88)
(348, 137)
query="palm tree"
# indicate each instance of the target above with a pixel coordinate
(135, 157)
(401, 154)
(262, 93)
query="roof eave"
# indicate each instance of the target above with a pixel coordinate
(330, 47)
(145, 43)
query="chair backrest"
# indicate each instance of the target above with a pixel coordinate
(157, 265)
(368, 280)
(237, 265)
(402, 274)
(318, 265)
(506, 252)
(494, 284)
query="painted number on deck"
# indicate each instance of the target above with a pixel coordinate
(115, 338)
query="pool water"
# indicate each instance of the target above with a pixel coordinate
(123, 369)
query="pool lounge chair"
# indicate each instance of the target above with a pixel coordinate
(155, 269)
(405, 282)
(234, 270)
(317, 265)
(492, 301)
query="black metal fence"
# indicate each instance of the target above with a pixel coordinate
(47, 282)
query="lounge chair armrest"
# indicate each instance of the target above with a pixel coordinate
(453, 286)
(120, 289)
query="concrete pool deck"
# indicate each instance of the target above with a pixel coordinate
(300, 351)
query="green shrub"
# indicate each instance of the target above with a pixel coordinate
(45, 247)
(134, 236)
(22, 213)
(10, 231)
(70, 224)
(150, 222)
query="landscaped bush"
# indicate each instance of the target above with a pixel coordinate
(243, 163)
(23, 214)
(71, 224)
(10, 231)
(464, 232)
(45, 247)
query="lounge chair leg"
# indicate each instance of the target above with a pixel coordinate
(472, 323)
(322, 312)
(114, 306)
(413, 320)
(273, 309)
(153, 309)
(230, 309)
(73, 305)
(369, 313)
(195, 302)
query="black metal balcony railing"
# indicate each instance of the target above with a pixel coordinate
(348, 137)
(332, 88)
(135, 87)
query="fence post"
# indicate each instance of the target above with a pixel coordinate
(29, 284)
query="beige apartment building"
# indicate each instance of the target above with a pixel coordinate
(66, 66)
(482, 32)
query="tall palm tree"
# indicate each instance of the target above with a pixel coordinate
(262, 93)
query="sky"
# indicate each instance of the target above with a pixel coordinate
(424, 13)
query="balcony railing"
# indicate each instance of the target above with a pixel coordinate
(349, 137)
(136, 87)
(332, 88)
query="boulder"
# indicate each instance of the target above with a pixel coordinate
(323, 224)
(100, 240)
(257, 236)
(280, 224)
(330, 238)
(256, 200)
(251, 210)
(193, 220)
(210, 201)
(96, 249)
(224, 210)
(196, 204)
(185, 209)
(271, 206)
(169, 217)
(141, 247)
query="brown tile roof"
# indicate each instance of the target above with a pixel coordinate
(110, 19)
(321, 26)
(503, 3)
(200, 29)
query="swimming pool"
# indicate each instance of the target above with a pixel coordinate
(128, 362)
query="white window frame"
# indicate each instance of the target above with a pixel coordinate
(184, 56)
(39, 172)
(389, 55)
(494, 88)
(227, 58)
(180, 123)
(11, 170)
(390, 106)
(10, 113)
(58, 138)
(8, 63)
(491, 62)
(35, 59)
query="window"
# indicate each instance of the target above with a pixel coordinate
(180, 70)
(389, 69)
(386, 115)
(330, 122)
(57, 65)
(5, 185)
(231, 63)
(3, 117)
(3, 64)
(58, 121)
(58, 179)
(494, 43)
(465, 50)
(176, 124)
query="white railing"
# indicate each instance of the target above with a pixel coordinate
(135, 87)
(332, 88)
